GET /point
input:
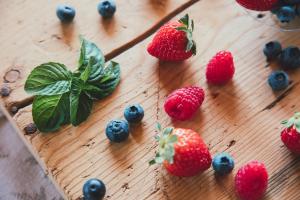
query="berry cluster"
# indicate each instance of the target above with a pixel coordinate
(288, 59)
(118, 130)
(287, 10)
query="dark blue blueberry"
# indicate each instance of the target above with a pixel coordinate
(290, 58)
(272, 50)
(291, 2)
(286, 14)
(65, 13)
(117, 130)
(107, 8)
(278, 80)
(134, 113)
(94, 189)
(223, 163)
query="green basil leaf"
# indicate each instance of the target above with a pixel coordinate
(48, 79)
(80, 103)
(107, 83)
(88, 50)
(50, 112)
(87, 72)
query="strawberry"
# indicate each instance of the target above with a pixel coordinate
(182, 152)
(220, 68)
(258, 5)
(290, 136)
(183, 103)
(251, 181)
(174, 41)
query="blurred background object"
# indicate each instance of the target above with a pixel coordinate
(21, 176)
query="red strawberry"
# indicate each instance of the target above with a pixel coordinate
(182, 152)
(220, 68)
(258, 5)
(183, 103)
(290, 136)
(251, 181)
(174, 41)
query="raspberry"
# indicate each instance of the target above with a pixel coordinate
(220, 68)
(251, 181)
(183, 103)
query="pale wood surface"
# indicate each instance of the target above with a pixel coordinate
(242, 118)
(31, 34)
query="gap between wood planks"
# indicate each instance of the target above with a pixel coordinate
(15, 106)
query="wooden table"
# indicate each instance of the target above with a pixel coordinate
(242, 118)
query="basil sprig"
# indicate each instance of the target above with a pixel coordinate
(63, 97)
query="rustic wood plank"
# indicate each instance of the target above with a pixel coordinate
(31, 34)
(242, 118)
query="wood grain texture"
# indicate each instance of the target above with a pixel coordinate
(31, 34)
(242, 118)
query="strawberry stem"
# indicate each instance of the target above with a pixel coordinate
(293, 122)
(191, 45)
(166, 141)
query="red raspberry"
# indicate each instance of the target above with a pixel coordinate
(183, 103)
(220, 68)
(251, 181)
(258, 5)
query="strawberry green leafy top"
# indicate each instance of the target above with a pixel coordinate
(188, 28)
(293, 122)
(166, 141)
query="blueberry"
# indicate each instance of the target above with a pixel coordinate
(272, 50)
(107, 8)
(290, 58)
(286, 14)
(5, 91)
(117, 130)
(223, 163)
(278, 80)
(134, 113)
(65, 13)
(30, 128)
(94, 189)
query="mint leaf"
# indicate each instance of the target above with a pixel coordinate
(87, 72)
(88, 50)
(50, 112)
(48, 79)
(106, 84)
(80, 104)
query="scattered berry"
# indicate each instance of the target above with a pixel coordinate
(107, 8)
(258, 5)
(94, 189)
(251, 181)
(173, 41)
(272, 50)
(286, 14)
(220, 68)
(134, 113)
(65, 13)
(290, 58)
(30, 128)
(278, 80)
(117, 130)
(183, 103)
(223, 163)
(290, 136)
(182, 152)
(14, 109)
(5, 91)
